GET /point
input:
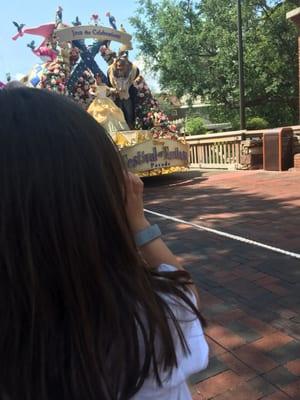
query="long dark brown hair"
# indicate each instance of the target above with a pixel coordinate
(77, 302)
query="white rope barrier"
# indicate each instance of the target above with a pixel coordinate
(226, 235)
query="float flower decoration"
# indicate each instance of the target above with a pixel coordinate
(149, 114)
(67, 67)
(70, 69)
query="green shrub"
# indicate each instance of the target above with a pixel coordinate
(195, 126)
(257, 123)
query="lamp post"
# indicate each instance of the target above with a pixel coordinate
(241, 66)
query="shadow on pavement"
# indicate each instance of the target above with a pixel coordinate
(250, 295)
(176, 179)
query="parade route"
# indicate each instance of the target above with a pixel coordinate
(216, 223)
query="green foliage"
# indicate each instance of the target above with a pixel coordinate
(219, 114)
(192, 45)
(195, 126)
(165, 106)
(257, 123)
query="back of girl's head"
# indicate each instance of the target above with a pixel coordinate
(60, 176)
(72, 284)
(66, 248)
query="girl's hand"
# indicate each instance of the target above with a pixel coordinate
(135, 203)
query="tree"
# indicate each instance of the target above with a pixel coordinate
(195, 126)
(193, 47)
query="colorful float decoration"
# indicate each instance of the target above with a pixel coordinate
(120, 100)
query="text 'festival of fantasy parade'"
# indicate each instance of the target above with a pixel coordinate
(120, 100)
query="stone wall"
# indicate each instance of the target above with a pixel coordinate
(297, 153)
(296, 144)
(251, 154)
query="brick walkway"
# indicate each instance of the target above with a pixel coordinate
(251, 296)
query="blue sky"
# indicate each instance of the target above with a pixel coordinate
(17, 59)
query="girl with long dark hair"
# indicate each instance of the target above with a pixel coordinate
(93, 305)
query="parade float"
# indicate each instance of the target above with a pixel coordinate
(120, 100)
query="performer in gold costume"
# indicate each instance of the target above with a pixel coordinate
(105, 111)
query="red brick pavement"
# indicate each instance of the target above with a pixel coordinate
(250, 296)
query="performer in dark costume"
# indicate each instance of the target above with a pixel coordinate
(121, 76)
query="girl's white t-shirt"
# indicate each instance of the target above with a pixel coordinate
(174, 387)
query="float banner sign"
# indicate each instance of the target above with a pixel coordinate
(101, 33)
(154, 154)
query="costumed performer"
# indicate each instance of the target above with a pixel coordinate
(104, 110)
(121, 75)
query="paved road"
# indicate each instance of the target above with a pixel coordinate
(250, 295)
